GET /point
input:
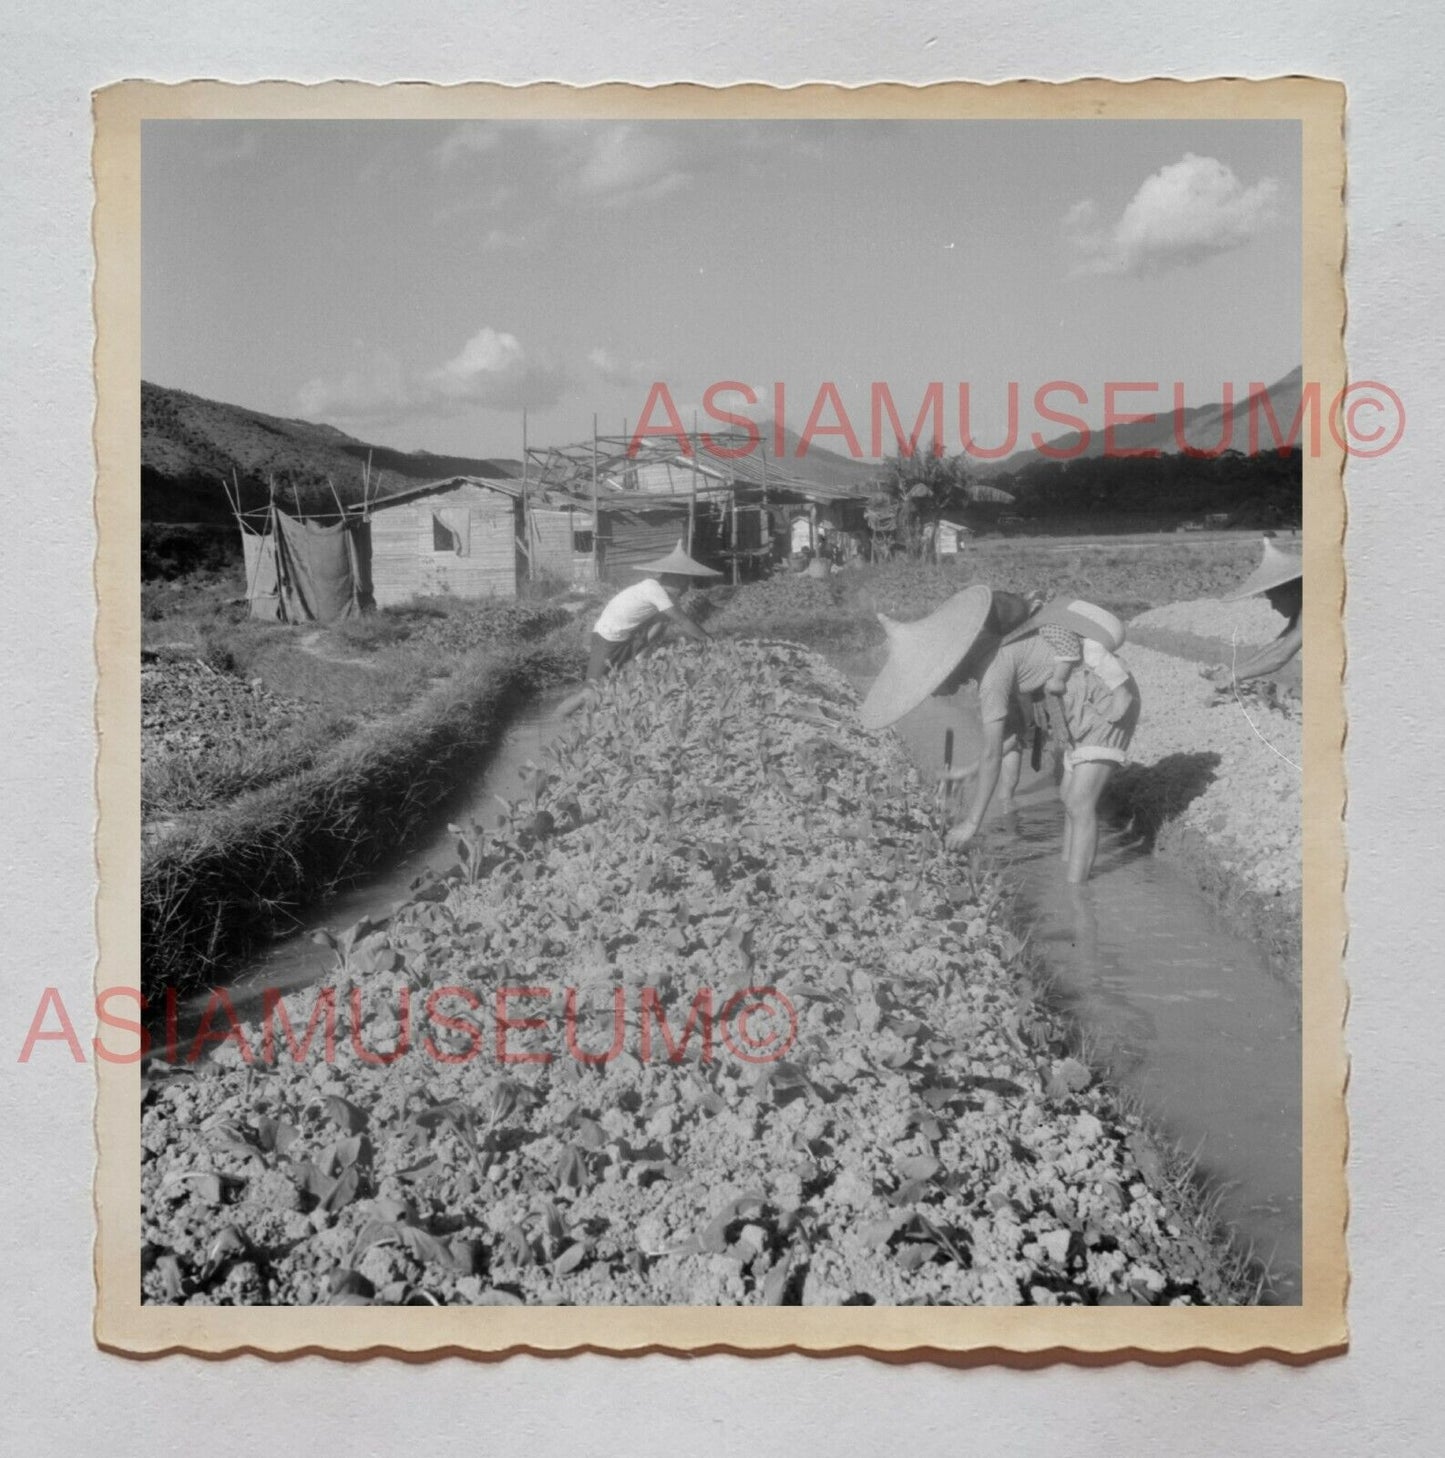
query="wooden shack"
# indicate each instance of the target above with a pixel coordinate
(459, 536)
(561, 543)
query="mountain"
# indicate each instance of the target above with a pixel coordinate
(190, 445)
(1202, 426)
(819, 465)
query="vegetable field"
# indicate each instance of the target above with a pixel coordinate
(711, 1019)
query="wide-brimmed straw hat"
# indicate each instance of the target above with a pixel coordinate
(922, 654)
(1274, 570)
(678, 564)
(1086, 619)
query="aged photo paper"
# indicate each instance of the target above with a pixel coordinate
(720, 719)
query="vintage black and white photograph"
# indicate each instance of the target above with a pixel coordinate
(722, 711)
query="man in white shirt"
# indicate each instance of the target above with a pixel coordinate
(631, 620)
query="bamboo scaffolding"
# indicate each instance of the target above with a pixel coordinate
(526, 503)
(765, 522)
(596, 518)
(335, 496)
(692, 495)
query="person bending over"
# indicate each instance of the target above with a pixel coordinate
(1279, 579)
(634, 620)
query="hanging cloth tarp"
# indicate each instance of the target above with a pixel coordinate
(316, 571)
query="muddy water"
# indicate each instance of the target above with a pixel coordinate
(1185, 1016)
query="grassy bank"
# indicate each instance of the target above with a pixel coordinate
(225, 881)
(362, 732)
(230, 705)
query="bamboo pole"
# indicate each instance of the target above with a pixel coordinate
(596, 518)
(692, 490)
(335, 496)
(273, 530)
(735, 533)
(526, 501)
(765, 523)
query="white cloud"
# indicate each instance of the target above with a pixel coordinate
(492, 371)
(499, 240)
(467, 139)
(374, 391)
(617, 371)
(1185, 212)
(734, 402)
(478, 207)
(613, 164)
(625, 163)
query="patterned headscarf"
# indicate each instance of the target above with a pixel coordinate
(1065, 643)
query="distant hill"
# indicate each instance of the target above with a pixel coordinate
(189, 445)
(1202, 426)
(818, 464)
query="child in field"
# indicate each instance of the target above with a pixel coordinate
(1097, 711)
(1072, 649)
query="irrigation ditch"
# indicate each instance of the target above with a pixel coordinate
(219, 885)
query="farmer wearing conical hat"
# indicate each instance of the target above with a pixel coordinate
(1279, 578)
(977, 636)
(634, 618)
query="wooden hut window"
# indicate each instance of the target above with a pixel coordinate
(450, 531)
(582, 542)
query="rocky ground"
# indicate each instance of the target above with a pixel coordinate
(1228, 766)
(869, 1109)
(1248, 623)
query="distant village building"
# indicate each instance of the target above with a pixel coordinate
(953, 536)
(737, 513)
(462, 536)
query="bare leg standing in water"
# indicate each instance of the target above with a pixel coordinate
(1081, 789)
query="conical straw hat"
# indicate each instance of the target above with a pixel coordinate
(679, 564)
(1084, 618)
(922, 654)
(1274, 570)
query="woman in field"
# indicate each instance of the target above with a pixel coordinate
(977, 637)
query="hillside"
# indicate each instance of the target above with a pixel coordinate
(189, 445)
(818, 464)
(1203, 427)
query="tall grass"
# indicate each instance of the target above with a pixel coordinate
(226, 880)
(174, 784)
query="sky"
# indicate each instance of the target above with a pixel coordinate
(418, 283)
